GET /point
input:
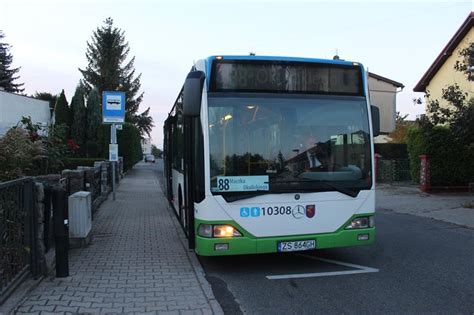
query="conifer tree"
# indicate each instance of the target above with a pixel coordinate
(78, 114)
(7, 74)
(61, 110)
(109, 69)
(94, 115)
(144, 122)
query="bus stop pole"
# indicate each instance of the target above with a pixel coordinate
(61, 230)
(113, 140)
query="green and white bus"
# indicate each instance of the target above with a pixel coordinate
(272, 154)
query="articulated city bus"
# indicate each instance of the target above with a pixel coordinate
(272, 154)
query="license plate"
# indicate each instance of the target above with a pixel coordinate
(296, 245)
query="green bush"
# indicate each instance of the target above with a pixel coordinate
(450, 161)
(129, 143)
(103, 140)
(73, 163)
(19, 155)
(416, 146)
(92, 149)
(392, 151)
(130, 146)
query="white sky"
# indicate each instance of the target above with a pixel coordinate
(395, 39)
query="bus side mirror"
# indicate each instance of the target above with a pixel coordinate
(375, 120)
(192, 93)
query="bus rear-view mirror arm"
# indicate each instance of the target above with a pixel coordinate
(192, 93)
(375, 120)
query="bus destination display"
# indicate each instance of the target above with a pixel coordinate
(285, 77)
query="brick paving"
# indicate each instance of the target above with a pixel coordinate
(136, 264)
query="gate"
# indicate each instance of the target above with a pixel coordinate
(390, 171)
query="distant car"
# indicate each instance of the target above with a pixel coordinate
(150, 158)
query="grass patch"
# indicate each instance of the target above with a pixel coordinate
(469, 205)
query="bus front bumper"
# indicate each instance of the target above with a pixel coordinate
(249, 245)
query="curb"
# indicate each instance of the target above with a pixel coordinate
(454, 224)
(198, 270)
(446, 208)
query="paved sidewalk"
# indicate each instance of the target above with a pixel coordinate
(454, 208)
(137, 262)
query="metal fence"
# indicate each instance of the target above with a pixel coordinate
(22, 218)
(109, 174)
(18, 248)
(390, 171)
(97, 183)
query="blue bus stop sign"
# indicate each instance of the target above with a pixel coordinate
(113, 107)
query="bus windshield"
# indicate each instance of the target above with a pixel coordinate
(272, 143)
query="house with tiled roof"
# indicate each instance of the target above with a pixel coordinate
(383, 94)
(441, 73)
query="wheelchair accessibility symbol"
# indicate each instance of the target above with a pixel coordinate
(246, 212)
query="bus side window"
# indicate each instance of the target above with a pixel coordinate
(175, 145)
(180, 142)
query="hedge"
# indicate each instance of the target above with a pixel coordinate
(73, 163)
(450, 162)
(129, 143)
(392, 151)
(91, 149)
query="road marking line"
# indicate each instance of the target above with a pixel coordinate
(331, 261)
(359, 269)
(320, 274)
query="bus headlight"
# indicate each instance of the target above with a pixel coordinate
(205, 230)
(219, 231)
(225, 231)
(361, 223)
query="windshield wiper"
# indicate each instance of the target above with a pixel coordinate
(235, 196)
(230, 197)
(342, 190)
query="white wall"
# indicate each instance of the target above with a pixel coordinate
(384, 96)
(14, 106)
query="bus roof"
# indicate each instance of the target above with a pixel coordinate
(281, 58)
(278, 58)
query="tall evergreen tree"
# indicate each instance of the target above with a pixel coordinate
(94, 115)
(78, 114)
(109, 70)
(7, 74)
(61, 110)
(144, 122)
